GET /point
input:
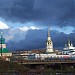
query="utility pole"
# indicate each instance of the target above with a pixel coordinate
(1, 44)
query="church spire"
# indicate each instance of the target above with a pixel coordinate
(49, 43)
(68, 40)
(69, 43)
(2, 40)
(49, 32)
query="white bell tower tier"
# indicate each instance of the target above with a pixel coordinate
(49, 43)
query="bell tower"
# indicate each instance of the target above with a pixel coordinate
(49, 43)
(2, 42)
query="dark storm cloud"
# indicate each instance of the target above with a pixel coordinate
(44, 12)
(34, 40)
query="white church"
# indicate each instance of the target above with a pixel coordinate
(49, 49)
(69, 48)
(68, 51)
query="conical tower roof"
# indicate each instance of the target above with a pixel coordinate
(69, 42)
(49, 32)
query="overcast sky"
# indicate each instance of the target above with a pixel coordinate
(24, 23)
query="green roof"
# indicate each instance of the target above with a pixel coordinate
(4, 50)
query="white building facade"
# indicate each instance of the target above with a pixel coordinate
(69, 49)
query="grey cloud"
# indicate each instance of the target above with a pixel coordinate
(36, 39)
(42, 12)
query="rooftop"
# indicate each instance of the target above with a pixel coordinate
(4, 50)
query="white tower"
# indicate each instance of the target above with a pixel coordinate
(49, 44)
